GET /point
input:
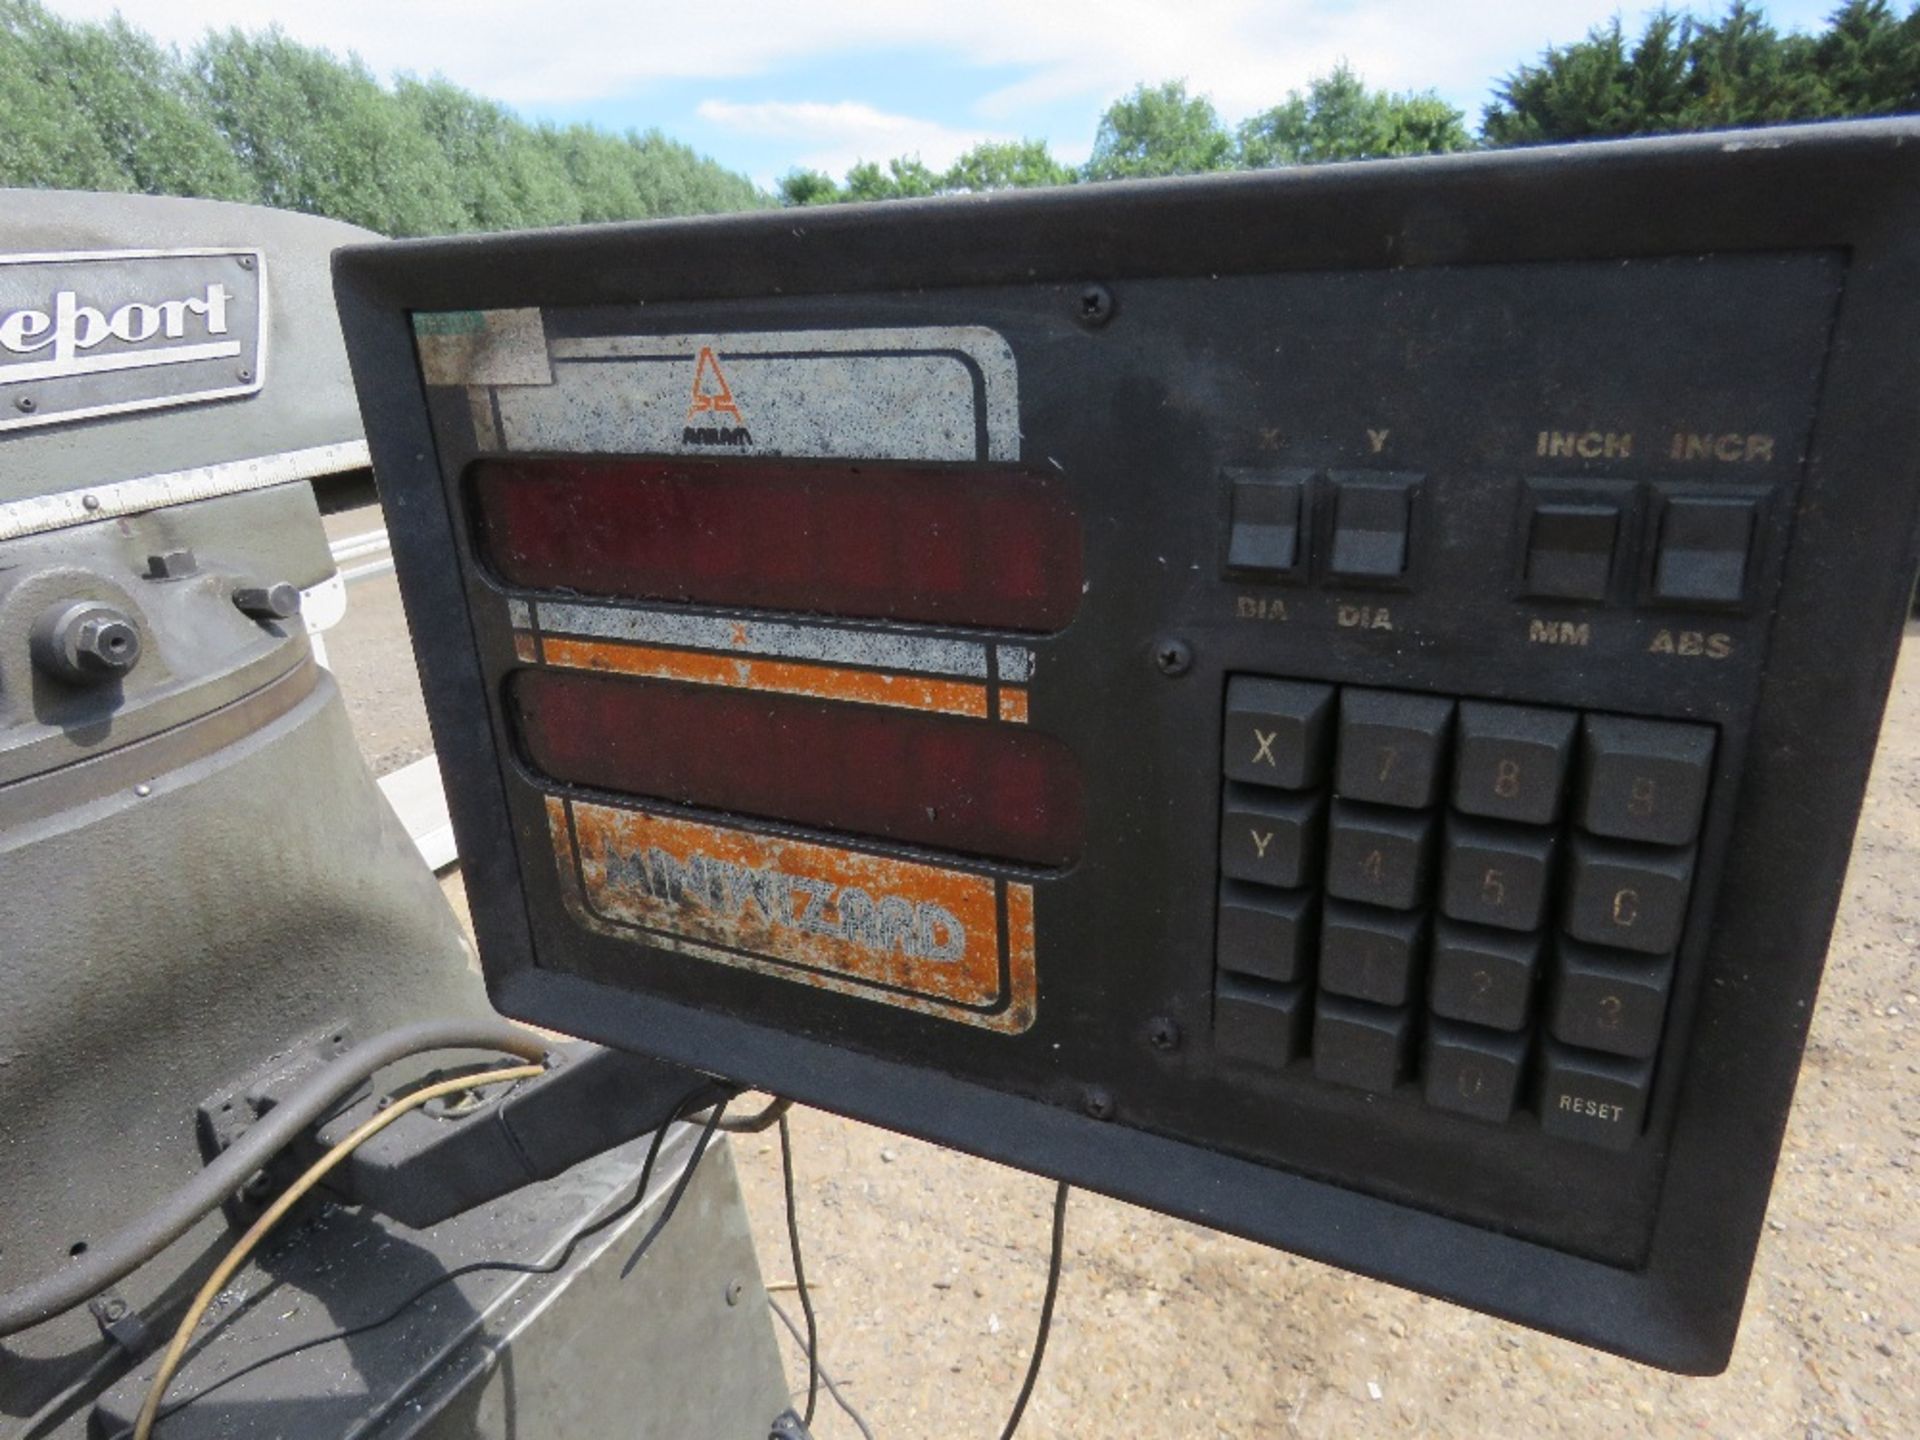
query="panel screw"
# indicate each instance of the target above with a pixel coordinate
(734, 1291)
(1163, 1033)
(1099, 1102)
(143, 790)
(246, 375)
(278, 601)
(1094, 306)
(246, 262)
(26, 403)
(90, 502)
(1174, 657)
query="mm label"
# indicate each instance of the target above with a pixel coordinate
(942, 942)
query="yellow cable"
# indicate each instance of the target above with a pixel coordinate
(236, 1257)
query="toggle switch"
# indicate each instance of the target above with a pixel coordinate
(1370, 524)
(1703, 549)
(1266, 524)
(1570, 549)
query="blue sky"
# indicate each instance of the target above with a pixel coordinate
(767, 85)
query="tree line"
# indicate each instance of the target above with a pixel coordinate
(1679, 73)
(262, 118)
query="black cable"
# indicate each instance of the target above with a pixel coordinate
(680, 1187)
(60, 1406)
(128, 1249)
(825, 1379)
(516, 1267)
(800, 1274)
(761, 1119)
(1046, 1310)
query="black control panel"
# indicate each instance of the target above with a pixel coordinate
(1331, 703)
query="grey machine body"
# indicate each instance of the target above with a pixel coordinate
(203, 893)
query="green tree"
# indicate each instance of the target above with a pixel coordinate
(46, 137)
(503, 174)
(1159, 130)
(142, 103)
(808, 187)
(1688, 74)
(1339, 118)
(902, 178)
(1006, 165)
(1868, 61)
(674, 179)
(320, 135)
(599, 170)
(103, 107)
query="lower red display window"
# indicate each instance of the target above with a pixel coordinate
(977, 787)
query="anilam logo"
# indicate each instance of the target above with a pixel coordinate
(69, 334)
(920, 930)
(713, 398)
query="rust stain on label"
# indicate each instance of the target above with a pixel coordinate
(902, 933)
(787, 677)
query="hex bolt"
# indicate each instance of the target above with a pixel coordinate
(1099, 1102)
(171, 565)
(1174, 657)
(277, 601)
(84, 642)
(1163, 1033)
(1094, 306)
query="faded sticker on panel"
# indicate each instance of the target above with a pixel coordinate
(942, 942)
(482, 347)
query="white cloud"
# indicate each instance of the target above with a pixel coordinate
(1245, 53)
(832, 137)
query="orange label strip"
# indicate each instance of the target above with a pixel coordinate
(901, 933)
(787, 677)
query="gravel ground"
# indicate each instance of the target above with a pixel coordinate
(927, 1266)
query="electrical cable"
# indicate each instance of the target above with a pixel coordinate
(58, 1406)
(761, 1119)
(558, 1261)
(1046, 1310)
(825, 1378)
(271, 1216)
(800, 1273)
(112, 1259)
(679, 1190)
